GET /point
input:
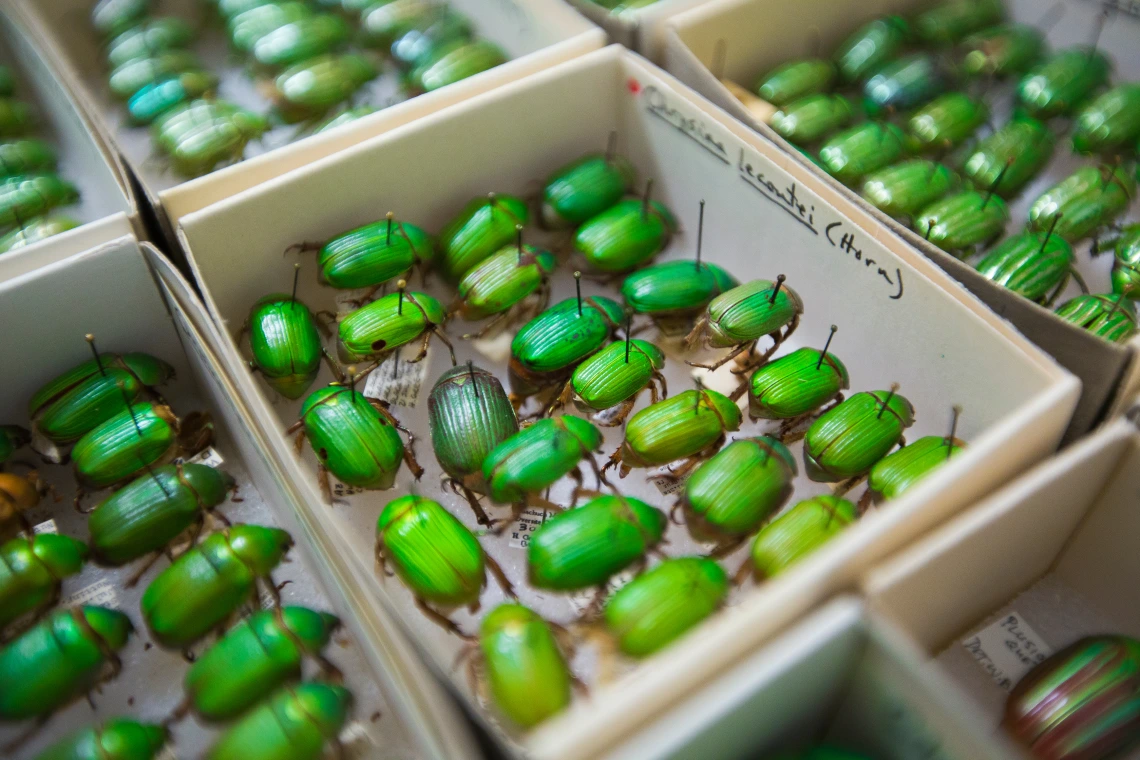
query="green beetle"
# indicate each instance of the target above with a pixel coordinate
(32, 572)
(148, 38)
(435, 555)
(261, 653)
(946, 121)
(284, 343)
(143, 434)
(246, 28)
(962, 221)
(208, 582)
(862, 149)
(1087, 199)
(114, 739)
(585, 188)
(355, 438)
(16, 117)
(153, 510)
(35, 230)
(1062, 82)
(799, 531)
(373, 254)
(111, 17)
(586, 546)
(422, 43)
(1031, 264)
(27, 195)
(469, 414)
(26, 157)
(905, 188)
(615, 377)
(1001, 50)
(626, 235)
(484, 226)
(12, 439)
(904, 83)
(690, 426)
(347, 116)
(158, 97)
(658, 607)
(383, 21)
(201, 134)
(1111, 316)
(296, 722)
(1110, 123)
(1007, 159)
(847, 441)
(300, 40)
(870, 46)
(897, 472)
(794, 387)
(132, 76)
(309, 89)
(793, 80)
(812, 117)
(1125, 264)
(675, 292)
(502, 285)
(376, 330)
(526, 670)
(951, 20)
(740, 317)
(60, 658)
(454, 62)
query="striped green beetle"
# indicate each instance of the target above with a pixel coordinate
(1110, 123)
(870, 46)
(793, 80)
(373, 254)
(300, 40)
(32, 571)
(963, 220)
(905, 188)
(585, 188)
(615, 377)
(484, 226)
(862, 149)
(946, 121)
(951, 20)
(115, 739)
(246, 28)
(297, 722)
(148, 38)
(1001, 50)
(199, 135)
(675, 292)
(1086, 200)
(381, 23)
(132, 76)
(376, 330)
(111, 17)
(454, 62)
(422, 43)
(794, 387)
(1031, 264)
(627, 234)
(1110, 316)
(309, 89)
(511, 284)
(1061, 83)
(1007, 159)
(118, 449)
(799, 531)
(847, 441)
(154, 99)
(903, 84)
(24, 196)
(740, 317)
(812, 117)
(899, 471)
(284, 343)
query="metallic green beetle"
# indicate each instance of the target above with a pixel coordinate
(1110, 123)
(111, 17)
(125, 444)
(502, 285)
(847, 441)
(1125, 264)
(153, 510)
(870, 46)
(16, 117)
(1086, 200)
(812, 117)
(376, 330)
(525, 668)
(586, 546)
(148, 38)
(1111, 315)
(132, 76)
(383, 21)
(26, 157)
(740, 317)
(484, 226)
(797, 532)
(200, 135)
(791, 81)
(422, 43)
(355, 438)
(12, 439)
(946, 121)
(962, 220)
(1001, 50)
(261, 653)
(300, 40)
(115, 739)
(862, 149)
(1030, 264)
(1062, 82)
(346, 116)
(469, 414)
(585, 188)
(27, 195)
(794, 387)
(246, 28)
(897, 472)
(615, 377)
(905, 83)
(675, 292)
(691, 426)
(60, 658)
(284, 343)
(1007, 159)
(32, 572)
(658, 607)
(310, 88)
(296, 722)
(209, 582)
(905, 188)
(35, 230)
(951, 20)
(626, 235)
(372, 254)
(454, 62)
(158, 97)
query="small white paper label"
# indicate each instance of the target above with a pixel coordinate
(47, 526)
(1007, 649)
(497, 349)
(397, 381)
(101, 593)
(668, 485)
(528, 522)
(348, 301)
(208, 456)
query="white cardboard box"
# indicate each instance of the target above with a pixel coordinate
(932, 337)
(639, 29)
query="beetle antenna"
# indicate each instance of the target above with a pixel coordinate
(98, 362)
(131, 409)
(890, 395)
(611, 146)
(471, 373)
(578, 289)
(154, 477)
(826, 345)
(700, 232)
(1101, 20)
(388, 239)
(518, 234)
(1049, 234)
(296, 275)
(400, 303)
(996, 182)
(956, 410)
(645, 199)
(720, 55)
(776, 288)
(628, 331)
(351, 370)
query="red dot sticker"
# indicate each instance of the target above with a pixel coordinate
(633, 85)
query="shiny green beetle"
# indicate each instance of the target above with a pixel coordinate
(847, 440)
(255, 657)
(626, 235)
(454, 62)
(1030, 264)
(812, 117)
(210, 581)
(310, 88)
(740, 317)
(962, 220)
(284, 343)
(372, 254)
(132, 76)
(247, 27)
(346, 116)
(110, 17)
(148, 38)
(794, 387)
(469, 414)
(1125, 264)
(12, 439)
(153, 510)
(60, 658)
(300, 40)
(115, 739)
(585, 188)
(383, 21)
(199, 135)
(536, 457)
(946, 121)
(503, 282)
(862, 149)
(675, 292)
(897, 472)
(484, 226)
(951, 20)
(1007, 159)
(658, 607)
(35, 230)
(691, 426)
(1110, 123)
(797, 532)
(32, 571)
(793, 80)
(1111, 315)
(376, 330)
(869, 47)
(158, 97)
(355, 438)
(1001, 50)
(1087, 199)
(905, 188)
(15, 117)
(25, 157)
(584, 547)
(296, 722)
(1063, 82)
(615, 376)
(125, 444)
(526, 670)
(904, 83)
(422, 43)
(27, 195)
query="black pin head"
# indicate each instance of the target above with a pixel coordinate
(628, 332)
(578, 290)
(887, 401)
(518, 238)
(296, 276)
(400, 302)
(98, 362)
(645, 198)
(389, 216)
(492, 200)
(1049, 234)
(955, 411)
(700, 231)
(826, 345)
(776, 288)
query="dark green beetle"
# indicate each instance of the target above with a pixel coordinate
(905, 188)
(1125, 264)
(284, 343)
(111, 17)
(946, 121)
(296, 722)
(951, 20)
(870, 46)
(904, 83)
(675, 292)
(27, 195)
(454, 62)
(26, 157)
(484, 226)
(862, 149)
(793, 80)
(382, 22)
(209, 582)
(60, 658)
(310, 88)
(1062, 82)
(626, 235)
(246, 28)
(137, 73)
(32, 571)
(897, 472)
(12, 439)
(794, 387)
(261, 653)
(378, 329)
(658, 607)
(148, 38)
(300, 40)
(502, 285)
(422, 43)
(740, 317)
(372, 254)
(585, 188)
(1110, 123)
(346, 116)
(1086, 200)
(525, 668)
(690, 426)
(35, 230)
(15, 117)
(141, 435)
(469, 414)
(1111, 316)
(1030, 264)
(115, 739)
(812, 117)
(355, 438)
(963, 220)
(158, 97)
(847, 441)
(200, 135)
(1007, 159)
(153, 510)
(615, 376)
(1001, 50)
(797, 532)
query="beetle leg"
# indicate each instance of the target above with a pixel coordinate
(726, 548)
(718, 364)
(439, 333)
(304, 247)
(746, 569)
(845, 486)
(480, 514)
(491, 324)
(443, 621)
(624, 410)
(500, 577)
(333, 364)
(695, 333)
(323, 482)
(673, 512)
(864, 502)
(600, 473)
(503, 523)
(135, 576)
(561, 398)
(180, 711)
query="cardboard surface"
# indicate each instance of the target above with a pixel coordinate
(946, 347)
(639, 29)
(756, 41)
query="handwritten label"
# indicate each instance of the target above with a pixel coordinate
(1007, 649)
(47, 526)
(527, 523)
(341, 490)
(693, 127)
(101, 593)
(397, 382)
(208, 456)
(668, 485)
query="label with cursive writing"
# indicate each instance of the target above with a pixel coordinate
(693, 127)
(1007, 649)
